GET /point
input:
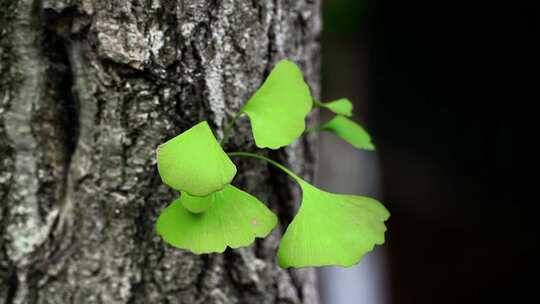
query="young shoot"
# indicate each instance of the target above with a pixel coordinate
(212, 214)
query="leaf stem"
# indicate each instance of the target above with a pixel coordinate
(312, 129)
(229, 127)
(268, 160)
(317, 103)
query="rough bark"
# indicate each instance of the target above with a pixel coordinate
(88, 90)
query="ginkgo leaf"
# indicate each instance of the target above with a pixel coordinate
(329, 228)
(234, 218)
(332, 229)
(341, 106)
(349, 131)
(277, 111)
(194, 162)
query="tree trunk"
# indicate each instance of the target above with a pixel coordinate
(88, 90)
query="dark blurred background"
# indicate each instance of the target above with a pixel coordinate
(437, 84)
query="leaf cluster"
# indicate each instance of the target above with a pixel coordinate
(211, 214)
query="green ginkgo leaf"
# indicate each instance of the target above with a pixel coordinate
(341, 106)
(349, 131)
(329, 228)
(277, 111)
(194, 162)
(234, 218)
(332, 229)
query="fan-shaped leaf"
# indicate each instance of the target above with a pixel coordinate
(234, 218)
(349, 131)
(341, 106)
(332, 229)
(194, 162)
(278, 109)
(329, 229)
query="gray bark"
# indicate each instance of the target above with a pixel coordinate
(88, 90)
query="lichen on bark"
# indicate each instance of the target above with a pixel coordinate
(88, 90)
